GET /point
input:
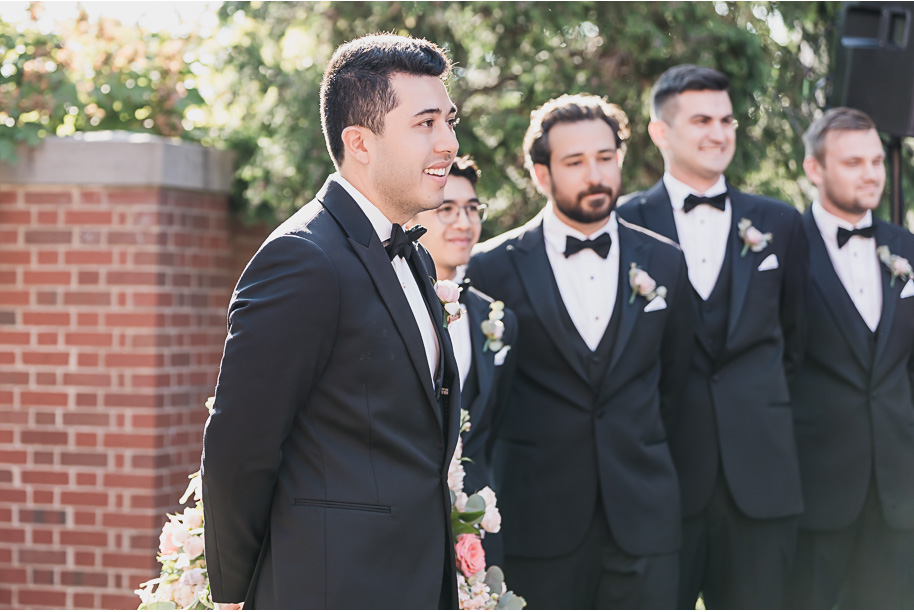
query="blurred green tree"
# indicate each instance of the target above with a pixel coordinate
(510, 58)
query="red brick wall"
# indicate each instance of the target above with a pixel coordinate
(112, 320)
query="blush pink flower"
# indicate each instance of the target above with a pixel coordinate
(193, 518)
(471, 558)
(167, 543)
(193, 546)
(643, 282)
(754, 237)
(901, 266)
(447, 291)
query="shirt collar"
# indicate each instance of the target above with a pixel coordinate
(679, 191)
(555, 231)
(381, 224)
(828, 223)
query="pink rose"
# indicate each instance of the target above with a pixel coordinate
(193, 546)
(644, 283)
(447, 291)
(471, 558)
(193, 518)
(167, 543)
(901, 266)
(754, 237)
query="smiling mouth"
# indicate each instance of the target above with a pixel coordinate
(440, 172)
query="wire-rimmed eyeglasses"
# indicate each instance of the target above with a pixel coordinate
(448, 213)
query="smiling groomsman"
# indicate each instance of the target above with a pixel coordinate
(586, 483)
(483, 338)
(853, 402)
(733, 442)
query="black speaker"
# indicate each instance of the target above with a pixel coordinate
(874, 64)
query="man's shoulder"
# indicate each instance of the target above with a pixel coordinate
(642, 233)
(898, 231)
(779, 207)
(508, 240)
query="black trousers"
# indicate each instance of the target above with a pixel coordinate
(733, 561)
(598, 575)
(868, 565)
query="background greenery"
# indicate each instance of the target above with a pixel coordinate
(254, 85)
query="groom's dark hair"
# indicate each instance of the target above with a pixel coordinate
(680, 79)
(570, 109)
(356, 87)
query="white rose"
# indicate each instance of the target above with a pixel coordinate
(491, 520)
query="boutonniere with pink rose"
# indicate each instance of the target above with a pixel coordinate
(494, 327)
(448, 293)
(752, 237)
(898, 266)
(643, 285)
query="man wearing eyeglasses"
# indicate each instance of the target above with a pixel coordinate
(485, 362)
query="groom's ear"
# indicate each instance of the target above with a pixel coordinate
(354, 143)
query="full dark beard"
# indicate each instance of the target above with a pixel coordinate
(576, 210)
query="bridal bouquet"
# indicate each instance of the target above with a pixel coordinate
(472, 516)
(183, 582)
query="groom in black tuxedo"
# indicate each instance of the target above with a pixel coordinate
(733, 443)
(585, 479)
(336, 414)
(482, 346)
(852, 395)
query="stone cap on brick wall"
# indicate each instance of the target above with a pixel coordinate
(124, 159)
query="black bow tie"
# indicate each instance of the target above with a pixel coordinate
(845, 234)
(719, 201)
(600, 245)
(401, 243)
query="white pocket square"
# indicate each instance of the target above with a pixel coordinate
(500, 355)
(658, 303)
(908, 290)
(769, 263)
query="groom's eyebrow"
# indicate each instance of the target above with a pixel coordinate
(435, 111)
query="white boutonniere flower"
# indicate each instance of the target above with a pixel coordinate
(494, 327)
(752, 238)
(898, 266)
(643, 285)
(448, 293)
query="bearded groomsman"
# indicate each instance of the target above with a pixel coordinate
(733, 443)
(586, 483)
(853, 402)
(482, 337)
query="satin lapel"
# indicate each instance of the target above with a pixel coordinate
(535, 273)
(890, 295)
(632, 249)
(435, 310)
(368, 248)
(658, 212)
(832, 290)
(483, 362)
(742, 269)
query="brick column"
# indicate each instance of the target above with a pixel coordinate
(115, 272)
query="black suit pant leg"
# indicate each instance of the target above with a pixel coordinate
(868, 565)
(597, 575)
(732, 561)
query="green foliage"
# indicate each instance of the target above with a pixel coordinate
(510, 58)
(87, 76)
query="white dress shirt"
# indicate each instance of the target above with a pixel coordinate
(856, 263)
(383, 226)
(587, 283)
(460, 336)
(703, 233)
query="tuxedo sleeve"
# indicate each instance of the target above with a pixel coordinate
(281, 324)
(678, 345)
(794, 291)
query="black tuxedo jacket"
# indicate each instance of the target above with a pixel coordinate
(490, 383)
(853, 402)
(564, 443)
(766, 327)
(325, 461)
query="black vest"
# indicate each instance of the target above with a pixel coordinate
(714, 313)
(596, 362)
